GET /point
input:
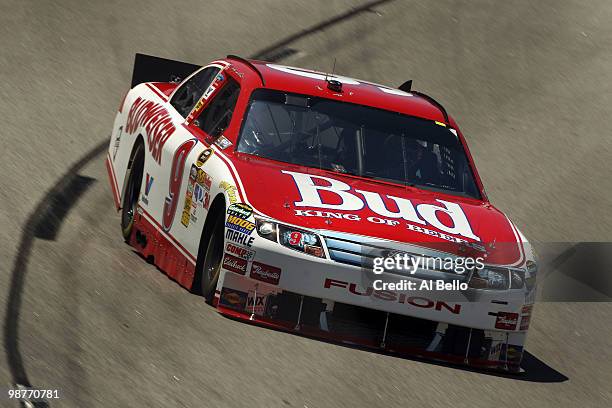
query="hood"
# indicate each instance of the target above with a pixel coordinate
(324, 200)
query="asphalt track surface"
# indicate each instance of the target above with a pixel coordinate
(530, 84)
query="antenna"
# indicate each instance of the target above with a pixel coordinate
(332, 84)
(333, 70)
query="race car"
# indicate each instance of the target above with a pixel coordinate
(275, 191)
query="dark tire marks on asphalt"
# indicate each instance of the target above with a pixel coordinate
(43, 222)
(277, 51)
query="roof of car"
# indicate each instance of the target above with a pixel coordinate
(308, 82)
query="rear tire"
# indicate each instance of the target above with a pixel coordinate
(211, 267)
(132, 191)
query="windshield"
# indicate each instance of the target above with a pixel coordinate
(358, 140)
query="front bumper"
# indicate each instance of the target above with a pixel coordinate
(326, 299)
(374, 329)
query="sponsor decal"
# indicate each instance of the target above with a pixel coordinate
(209, 91)
(295, 238)
(206, 203)
(157, 124)
(239, 238)
(234, 299)
(265, 273)
(176, 178)
(197, 194)
(239, 251)
(204, 179)
(390, 296)
(513, 352)
(240, 210)
(525, 320)
(186, 217)
(194, 208)
(148, 185)
(453, 222)
(197, 108)
(231, 191)
(223, 142)
(204, 156)
(506, 320)
(494, 350)
(526, 316)
(234, 264)
(117, 141)
(235, 71)
(239, 224)
(256, 303)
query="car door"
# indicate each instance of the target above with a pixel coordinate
(163, 178)
(201, 177)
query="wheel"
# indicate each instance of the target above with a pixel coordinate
(212, 261)
(132, 192)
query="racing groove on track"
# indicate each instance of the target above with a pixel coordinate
(165, 336)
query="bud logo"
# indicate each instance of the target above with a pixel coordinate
(240, 252)
(234, 264)
(416, 301)
(310, 187)
(506, 321)
(265, 273)
(157, 123)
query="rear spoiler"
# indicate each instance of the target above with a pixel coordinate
(148, 68)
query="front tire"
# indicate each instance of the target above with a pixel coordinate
(132, 191)
(211, 267)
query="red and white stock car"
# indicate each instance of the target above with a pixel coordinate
(268, 189)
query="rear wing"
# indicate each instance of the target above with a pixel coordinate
(148, 68)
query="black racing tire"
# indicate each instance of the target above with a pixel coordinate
(211, 266)
(132, 191)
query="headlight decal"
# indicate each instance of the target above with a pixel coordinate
(290, 237)
(300, 240)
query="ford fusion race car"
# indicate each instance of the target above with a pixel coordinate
(272, 191)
